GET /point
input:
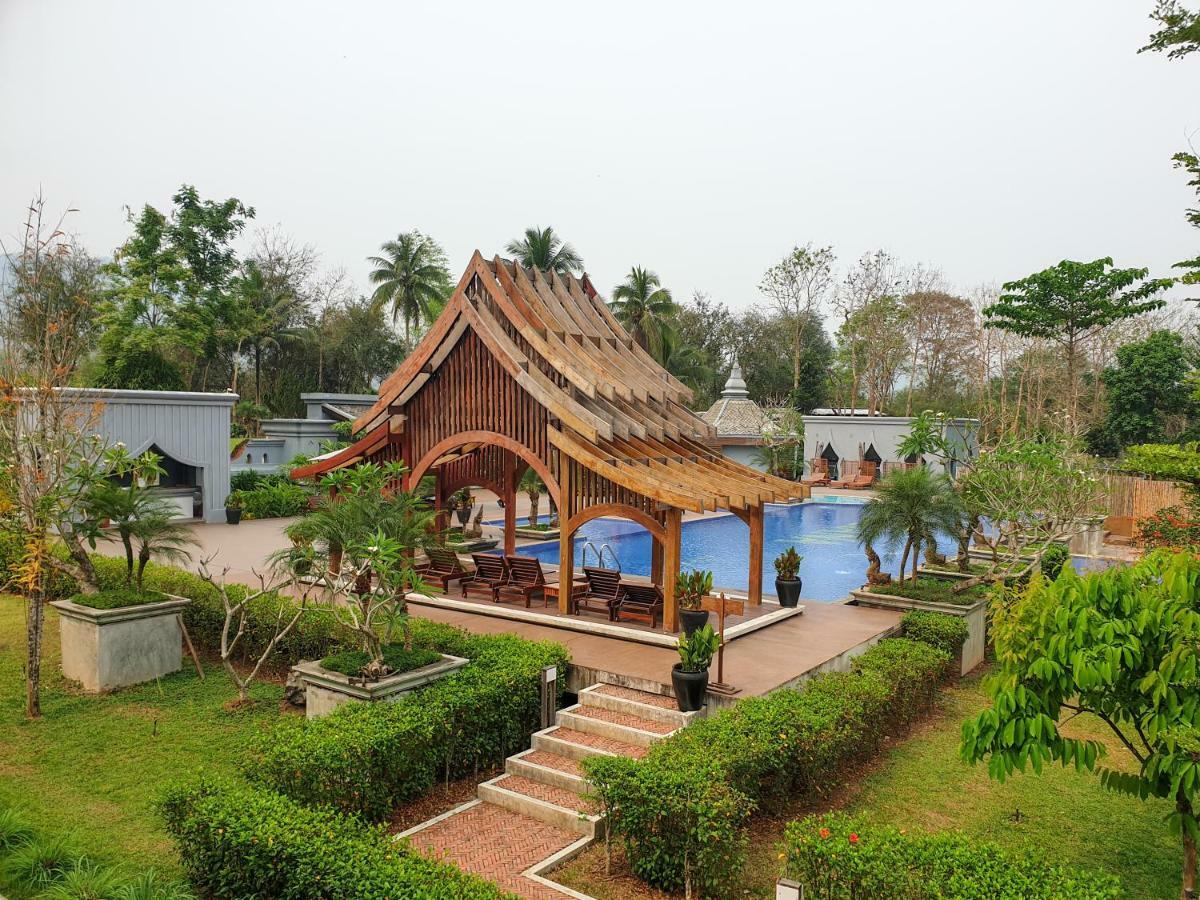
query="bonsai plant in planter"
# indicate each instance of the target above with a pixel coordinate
(787, 577)
(233, 508)
(691, 588)
(689, 677)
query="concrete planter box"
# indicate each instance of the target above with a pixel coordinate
(537, 534)
(976, 615)
(104, 649)
(478, 545)
(325, 691)
(944, 575)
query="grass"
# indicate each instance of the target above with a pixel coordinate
(399, 660)
(92, 767)
(118, 599)
(919, 782)
(934, 590)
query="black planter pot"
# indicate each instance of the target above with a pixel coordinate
(689, 688)
(233, 516)
(692, 620)
(788, 591)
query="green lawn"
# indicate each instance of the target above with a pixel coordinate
(93, 766)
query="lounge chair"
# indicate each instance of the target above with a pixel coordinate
(603, 588)
(525, 579)
(820, 474)
(491, 574)
(864, 479)
(640, 602)
(443, 566)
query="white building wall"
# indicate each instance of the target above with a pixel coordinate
(851, 436)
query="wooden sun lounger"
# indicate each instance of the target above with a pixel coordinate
(863, 478)
(604, 587)
(819, 476)
(640, 602)
(491, 574)
(525, 579)
(443, 566)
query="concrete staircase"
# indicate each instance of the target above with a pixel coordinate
(546, 782)
(535, 816)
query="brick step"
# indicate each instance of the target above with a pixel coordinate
(654, 707)
(548, 768)
(620, 726)
(553, 805)
(580, 744)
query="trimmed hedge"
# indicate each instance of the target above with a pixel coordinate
(680, 811)
(366, 758)
(237, 841)
(838, 858)
(944, 631)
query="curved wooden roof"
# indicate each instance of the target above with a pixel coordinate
(609, 405)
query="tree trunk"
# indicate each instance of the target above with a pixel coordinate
(904, 559)
(534, 502)
(35, 620)
(797, 336)
(257, 375)
(1188, 890)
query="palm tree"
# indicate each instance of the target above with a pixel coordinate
(265, 316)
(531, 484)
(910, 507)
(684, 361)
(412, 277)
(159, 534)
(645, 308)
(541, 248)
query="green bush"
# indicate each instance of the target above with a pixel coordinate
(1053, 559)
(836, 858)
(249, 480)
(367, 758)
(681, 810)
(934, 590)
(236, 841)
(943, 631)
(399, 660)
(118, 598)
(274, 500)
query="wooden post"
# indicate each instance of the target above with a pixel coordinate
(722, 606)
(656, 560)
(439, 502)
(566, 537)
(755, 521)
(510, 503)
(670, 569)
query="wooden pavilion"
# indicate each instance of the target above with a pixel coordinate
(525, 368)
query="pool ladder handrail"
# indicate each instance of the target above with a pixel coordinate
(599, 555)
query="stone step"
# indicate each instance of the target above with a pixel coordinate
(655, 707)
(619, 726)
(579, 745)
(546, 803)
(548, 768)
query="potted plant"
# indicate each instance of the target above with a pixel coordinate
(689, 677)
(787, 577)
(233, 508)
(462, 502)
(691, 588)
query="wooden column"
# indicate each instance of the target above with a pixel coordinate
(566, 536)
(656, 561)
(439, 502)
(674, 524)
(510, 503)
(755, 521)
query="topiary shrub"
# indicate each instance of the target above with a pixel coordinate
(939, 630)
(835, 857)
(236, 841)
(681, 810)
(368, 758)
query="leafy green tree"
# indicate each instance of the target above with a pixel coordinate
(685, 362)
(265, 317)
(1072, 302)
(1179, 30)
(1120, 646)
(541, 248)
(1149, 394)
(645, 308)
(910, 507)
(412, 278)
(531, 485)
(798, 286)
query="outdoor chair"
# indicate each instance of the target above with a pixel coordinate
(443, 566)
(491, 574)
(820, 474)
(603, 588)
(525, 579)
(640, 602)
(865, 477)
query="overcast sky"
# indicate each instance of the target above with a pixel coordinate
(700, 140)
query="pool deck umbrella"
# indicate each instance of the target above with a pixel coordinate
(525, 368)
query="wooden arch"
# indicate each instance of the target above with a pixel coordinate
(457, 441)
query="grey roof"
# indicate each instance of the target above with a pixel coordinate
(735, 414)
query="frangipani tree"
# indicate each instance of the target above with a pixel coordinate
(1121, 645)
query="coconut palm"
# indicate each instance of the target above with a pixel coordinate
(684, 361)
(541, 248)
(411, 276)
(910, 507)
(531, 484)
(645, 308)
